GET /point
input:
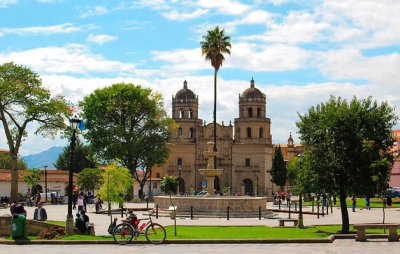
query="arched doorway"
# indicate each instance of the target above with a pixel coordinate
(248, 186)
(181, 186)
(36, 188)
(216, 184)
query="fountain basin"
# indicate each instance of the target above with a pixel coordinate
(216, 206)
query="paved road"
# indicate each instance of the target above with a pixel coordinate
(339, 246)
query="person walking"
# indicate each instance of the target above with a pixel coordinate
(74, 199)
(353, 203)
(389, 201)
(81, 203)
(367, 202)
(40, 213)
(28, 196)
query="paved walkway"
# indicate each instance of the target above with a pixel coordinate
(59, 212)
(339, 247)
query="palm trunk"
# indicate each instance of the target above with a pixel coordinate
(345, 213)
(14, 177)
(215, 117)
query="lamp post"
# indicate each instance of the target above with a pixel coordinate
(300, 223)
(257, 174)
(45, 182)
(74, 121)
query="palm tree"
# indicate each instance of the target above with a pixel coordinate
(215, 43)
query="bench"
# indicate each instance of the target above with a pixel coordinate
(282, 222)
(393, 236)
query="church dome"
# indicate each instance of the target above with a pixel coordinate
(252, 92)
(185, 93)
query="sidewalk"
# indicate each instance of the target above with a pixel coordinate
(102, 221)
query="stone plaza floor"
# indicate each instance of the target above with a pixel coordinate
(102, 221)
(337, 247)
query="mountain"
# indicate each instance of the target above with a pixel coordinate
(47, 157)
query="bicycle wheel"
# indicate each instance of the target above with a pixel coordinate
(155, 233)
(123, 233)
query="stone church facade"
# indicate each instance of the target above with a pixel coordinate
(245, 149)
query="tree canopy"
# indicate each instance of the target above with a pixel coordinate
(83, 157)
(278, 170)
(347, 148)
(117, 181)
(24, 101)
(6, 162)
(31, 177)
(90, 179)
(127, 123)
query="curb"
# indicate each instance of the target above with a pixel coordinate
(330, 239)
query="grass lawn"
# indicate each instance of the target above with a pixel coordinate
(233, 232)
(375, 203)
(57, 223)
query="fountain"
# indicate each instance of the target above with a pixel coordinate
(211, 205)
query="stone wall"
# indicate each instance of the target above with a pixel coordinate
(32, 227)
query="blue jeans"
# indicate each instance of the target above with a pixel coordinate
(354, 207)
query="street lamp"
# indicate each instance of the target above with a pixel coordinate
(45, 182)
(257, 174)
(300, 223)
(74, 122)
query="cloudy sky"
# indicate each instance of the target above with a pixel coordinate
(298, 51)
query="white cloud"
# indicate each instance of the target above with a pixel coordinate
(297, 27)
(246, 56)
(6, 3)
(183, 16)
(229, 7)
(72, 58)
(94, 11)
(65, 28)
(350, 64)
(101, 38)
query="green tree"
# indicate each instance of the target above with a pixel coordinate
(347, 147)
(32, 177)
(292, 172)
(6, 163)
(83, 157)
(117, 181)
(90, 179)
(169, 185)
(24, 102)
(214, 45)
(128, 123)
(278, 170)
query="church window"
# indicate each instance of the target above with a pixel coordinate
(247, 162)
(249, 132)
(250, 112)
(261, 133)
(179, 132)
(191, 133)
(258, 112)
(158, 175)
(181, 113)
(190, 113)
(179, 162)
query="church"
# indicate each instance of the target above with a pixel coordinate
(245, 149)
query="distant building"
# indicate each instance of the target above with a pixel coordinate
(395, 174)
(57, 181)
(245, 149)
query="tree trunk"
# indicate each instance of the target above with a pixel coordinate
(345, 213)
(141, 192)
(215, 117)
(14, 177)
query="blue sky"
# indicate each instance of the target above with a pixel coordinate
(299, 52)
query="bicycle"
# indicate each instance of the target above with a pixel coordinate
(124, 232)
